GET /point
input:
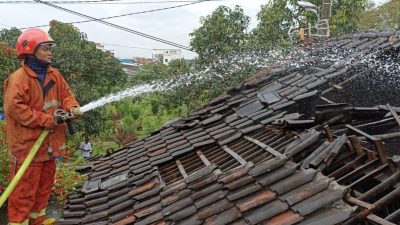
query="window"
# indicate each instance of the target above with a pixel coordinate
(166, 60)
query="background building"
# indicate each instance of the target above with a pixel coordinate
(166, 55)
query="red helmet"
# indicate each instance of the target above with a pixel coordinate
(29, 40)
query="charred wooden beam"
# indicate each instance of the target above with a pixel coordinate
(394, 217)
(348, 167)
(380, 187)
(328, 133)
(376, 219)
(369, 175)
(394, 114)
(359, 171)
(384, 201)
(357, 145)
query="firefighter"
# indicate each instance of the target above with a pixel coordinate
(31, 95)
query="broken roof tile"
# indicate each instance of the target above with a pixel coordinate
(90, 186)
(319, 200)
(306, 191)
(269, 98)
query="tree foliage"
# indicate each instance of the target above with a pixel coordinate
(8, 56)
(345, 15)
(178, 67)
(278, 17)
(221, 34)
(9, 37)
(386, 17)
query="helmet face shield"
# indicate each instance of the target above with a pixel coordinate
(48, 44)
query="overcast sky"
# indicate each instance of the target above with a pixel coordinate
(173, 24)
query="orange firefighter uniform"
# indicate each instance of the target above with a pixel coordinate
(28, 111)
(29, 104)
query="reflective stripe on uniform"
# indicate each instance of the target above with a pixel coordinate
(26, 222)
(35, 215)
(62, 147)
(50, 104)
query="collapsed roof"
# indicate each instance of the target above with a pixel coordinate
(280, 148)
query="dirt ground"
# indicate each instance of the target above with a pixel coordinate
(53, 210)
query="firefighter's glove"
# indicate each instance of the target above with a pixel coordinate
(75, 112)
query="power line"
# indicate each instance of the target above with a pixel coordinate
(119, 27)
(97, 2)
(126, 46)
(122, 15)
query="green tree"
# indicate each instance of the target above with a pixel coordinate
(10, 36)
(386, 17)
(178, 66)
(345, 15)
(221, 34)
(8, 57)
(278, 17)
(150, 72)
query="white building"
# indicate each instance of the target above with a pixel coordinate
(166, 55)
